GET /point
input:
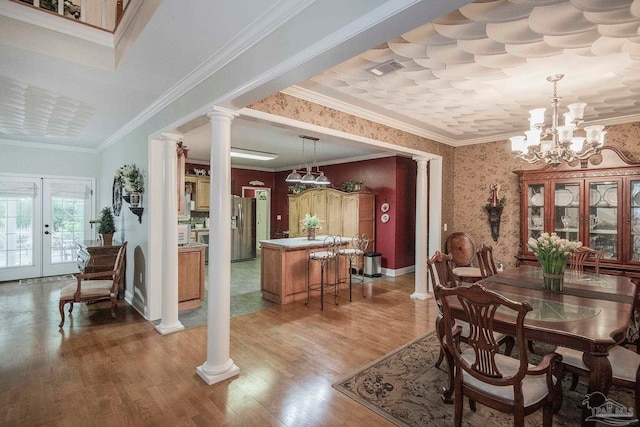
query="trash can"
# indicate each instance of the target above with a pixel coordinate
(372, 264)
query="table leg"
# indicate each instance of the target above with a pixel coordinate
(447, 392)
(599, 379)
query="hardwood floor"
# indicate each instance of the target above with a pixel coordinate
(99, 371)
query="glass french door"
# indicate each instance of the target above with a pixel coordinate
(40, 219)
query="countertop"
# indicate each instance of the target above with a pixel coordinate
(299, 242)
(193, 245)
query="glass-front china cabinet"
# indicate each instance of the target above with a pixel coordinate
(596, 202)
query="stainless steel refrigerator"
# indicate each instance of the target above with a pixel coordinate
(243, 228)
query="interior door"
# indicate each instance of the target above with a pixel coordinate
(40, 219)
(66, 211)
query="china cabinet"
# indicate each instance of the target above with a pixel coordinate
(597, 203)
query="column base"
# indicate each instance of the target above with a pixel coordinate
(165, 329)
(216, 378)
(421, 296)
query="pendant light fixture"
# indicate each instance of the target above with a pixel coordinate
(309, 177)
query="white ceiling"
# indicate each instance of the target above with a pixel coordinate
(470, 76)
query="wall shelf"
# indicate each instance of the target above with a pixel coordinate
(138, 212)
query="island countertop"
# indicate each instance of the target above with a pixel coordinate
(299, 242)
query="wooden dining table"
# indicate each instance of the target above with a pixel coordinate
(591, 314)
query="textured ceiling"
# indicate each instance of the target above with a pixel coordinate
(473, 74)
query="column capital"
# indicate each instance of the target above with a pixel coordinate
(170, 137)
(223, 112)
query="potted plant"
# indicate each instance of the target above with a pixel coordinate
(106, 227)
(132, 180)
(352, 186)
(311, 223)
(297, 188)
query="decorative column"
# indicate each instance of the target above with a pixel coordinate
(169, 322)
(219, 366)
(421, 231)
(435, 207)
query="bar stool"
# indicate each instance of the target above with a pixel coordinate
(330, 246)
(353, 253)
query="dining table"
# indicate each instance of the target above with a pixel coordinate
(591, 314)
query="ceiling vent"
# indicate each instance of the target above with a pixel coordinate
(386, 68)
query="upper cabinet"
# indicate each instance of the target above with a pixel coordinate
(598, 205)
(344, 214)
(197, 186)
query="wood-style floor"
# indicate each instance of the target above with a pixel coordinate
(122, 372)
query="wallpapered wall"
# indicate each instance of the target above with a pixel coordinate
(476, 167)
(298, 109)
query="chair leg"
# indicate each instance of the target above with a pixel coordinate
(574, 382)
(70, 307)
(308, 282)
(322, 286)
(440, 357)
(457, 403)
(350, 278)
(530, 345)
(114, 304)
(547, 415)
(61, 307)
(509, 342)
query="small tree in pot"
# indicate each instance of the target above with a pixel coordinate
(107, 227)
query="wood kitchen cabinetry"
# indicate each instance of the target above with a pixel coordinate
(598, 205)
(344, 214)
(190, 276)
(198, 186)
(94, 257)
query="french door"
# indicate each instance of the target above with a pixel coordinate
(40, 220)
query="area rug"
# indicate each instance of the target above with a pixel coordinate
(48, 279)
(404, 387)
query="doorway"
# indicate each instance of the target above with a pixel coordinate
(263, 211)
(40, 221)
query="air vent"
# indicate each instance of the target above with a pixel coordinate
(386, 68)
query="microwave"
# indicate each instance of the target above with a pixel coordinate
(184, 234)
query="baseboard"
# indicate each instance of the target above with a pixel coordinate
(398, 272)
(136, 304)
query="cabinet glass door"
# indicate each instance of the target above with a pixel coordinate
(566, 210)
(601, 218)
(635, 222)
(535, 210)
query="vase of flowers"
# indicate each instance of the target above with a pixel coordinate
(310, 223)
(132, 180)
(552, 252)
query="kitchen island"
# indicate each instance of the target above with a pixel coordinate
(284, 267)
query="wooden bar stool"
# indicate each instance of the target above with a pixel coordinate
(353, 253)
(330, 246)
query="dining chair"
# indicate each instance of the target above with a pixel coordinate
(329, 253)
(485, 261)
(441, 274)
(483, 374)
(577, 259)
(93, 287)
(353, 254)
(463, 249)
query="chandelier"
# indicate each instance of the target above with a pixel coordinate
(310, 176)
(557, 144)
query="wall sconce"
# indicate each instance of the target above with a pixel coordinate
(494, 210)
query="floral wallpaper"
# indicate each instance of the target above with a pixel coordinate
(468, 171)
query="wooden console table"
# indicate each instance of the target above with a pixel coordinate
(94, 257)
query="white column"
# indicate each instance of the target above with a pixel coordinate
(219, 366)
(169, 322)
(421, 231)
(435, 207)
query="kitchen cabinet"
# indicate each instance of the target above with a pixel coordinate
(190, 276)
(198, 186)
(598, 205)
(344, 214)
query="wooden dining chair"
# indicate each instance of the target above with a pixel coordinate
(485, 261)
(93, 287)
(441, 274)
(463, 249)
(483, 374)
(577, 259)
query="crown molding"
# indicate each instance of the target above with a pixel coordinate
(262, 26)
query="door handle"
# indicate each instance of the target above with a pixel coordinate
(46, 232)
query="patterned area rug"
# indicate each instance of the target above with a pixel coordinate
(48, 279)
(404, 387)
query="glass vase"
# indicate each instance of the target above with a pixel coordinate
(311, 233)
(553, 273)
